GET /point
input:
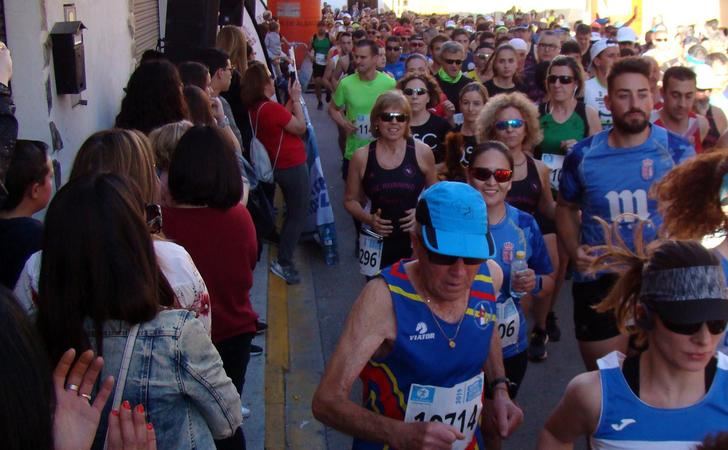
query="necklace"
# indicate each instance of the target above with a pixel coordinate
(525, 158)
(450, 340)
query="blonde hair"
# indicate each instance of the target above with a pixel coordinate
(390, 99)
(232, 39)
(121, 152)
(164, 140)
(517, 100)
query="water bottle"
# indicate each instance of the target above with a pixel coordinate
(518, 265)
(329, 243)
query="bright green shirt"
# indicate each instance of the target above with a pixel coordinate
(358, 98)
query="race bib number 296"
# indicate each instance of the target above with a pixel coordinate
(459, 406)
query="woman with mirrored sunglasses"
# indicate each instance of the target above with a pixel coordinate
(462, 140)
(490, 170)
(693, 201)
(513, 120)
(671, 299)
(383, 184)
(423, 93)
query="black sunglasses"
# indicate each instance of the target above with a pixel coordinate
(414, 91)
(393, 49)
(484, 174)
(714, 326)
(390, 117)
(563, 79)
(453, 61)
(448, 260)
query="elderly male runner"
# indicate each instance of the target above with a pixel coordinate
(420, 337)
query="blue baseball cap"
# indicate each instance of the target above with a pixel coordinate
(454, 221)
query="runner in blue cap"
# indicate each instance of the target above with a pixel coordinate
(420, 337)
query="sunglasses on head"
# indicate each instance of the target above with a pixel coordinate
(453, 61)
(484, 174)
(506, 124)
(563, 79)
(448, 260)
(714, 327)
(414, 91)
(390, 117)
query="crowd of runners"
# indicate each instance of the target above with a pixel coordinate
(490, 161)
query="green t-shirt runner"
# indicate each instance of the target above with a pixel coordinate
(320, 49)
(357, 97)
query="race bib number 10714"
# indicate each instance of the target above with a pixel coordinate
(459, 406)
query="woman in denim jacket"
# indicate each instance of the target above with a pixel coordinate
(99, 276)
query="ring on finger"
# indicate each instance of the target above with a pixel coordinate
(86, 396)
(72, 387)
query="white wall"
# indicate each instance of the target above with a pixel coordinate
(108, 46)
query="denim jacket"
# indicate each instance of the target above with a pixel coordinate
(177, 374)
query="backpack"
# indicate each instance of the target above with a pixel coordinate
(259, 155)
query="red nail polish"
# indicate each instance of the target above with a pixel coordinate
(140, 409)
(125, 404)
(150, 427)
(114, 412)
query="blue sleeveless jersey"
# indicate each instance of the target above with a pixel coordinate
(628, 423)
(609, 181)
(421, 354)
(723, 346)
(518, 231)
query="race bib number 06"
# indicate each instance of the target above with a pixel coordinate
(459, 406)
(509, 322)
(370, 253)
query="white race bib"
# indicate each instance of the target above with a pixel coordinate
(509, 322)
(370, 253)
(362, 127)
(554, 163)
(459, 406)
(458, 118)
(320, 59)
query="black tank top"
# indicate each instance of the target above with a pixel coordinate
(396, 190)
(713, 135)
(526, 193)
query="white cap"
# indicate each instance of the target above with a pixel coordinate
(450, 24)
(468, 28)
(626, 34)
(595, 36)
(347, 15)
(599, 46)
(518, 44)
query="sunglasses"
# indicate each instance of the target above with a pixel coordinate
(393, 49)
(482, 56)
(563, 79)
(503, 125)
(714, 327)
(417, 44)
(548, 46)
(484, 174)
(391, 117)
(448, 260)
(414, 91)
(453, 61)
(661, 40)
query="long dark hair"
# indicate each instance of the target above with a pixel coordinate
(153, 97)
(98, 263)
(25, 381)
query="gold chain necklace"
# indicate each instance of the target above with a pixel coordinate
(450, 340)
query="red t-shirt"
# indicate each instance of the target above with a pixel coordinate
(273, 118)
(223, 246)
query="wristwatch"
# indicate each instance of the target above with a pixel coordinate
(490, 389)
(223, 123)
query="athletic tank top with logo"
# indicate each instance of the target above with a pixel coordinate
(393, 190)
(627, 423)
(320, 49)
(422, 356)
(692, 133)
(526, 193)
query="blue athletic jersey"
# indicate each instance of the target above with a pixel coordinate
(609, 181)
(627, 423)
(518, 231)
(396, 69)
(421, 353)
(723, 346)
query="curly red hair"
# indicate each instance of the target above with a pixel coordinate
(688, 197)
